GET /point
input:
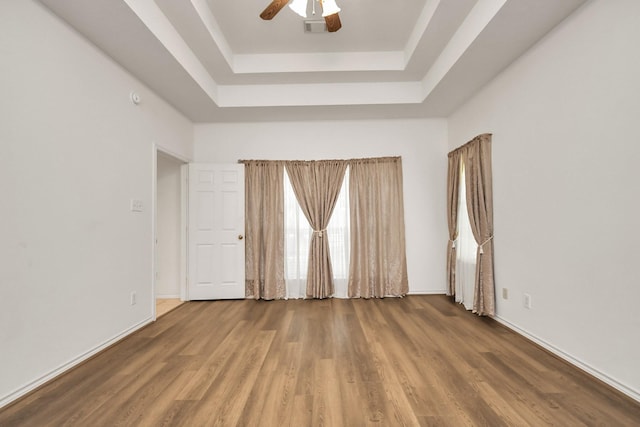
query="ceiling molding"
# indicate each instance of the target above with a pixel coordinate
(473, 25)
(151, 15)
(211, 24)
(318, 62)
(319, 94)
(428, 11)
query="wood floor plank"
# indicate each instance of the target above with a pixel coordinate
(214, 365)
(228, 395)
(165, 305)
(415, 361)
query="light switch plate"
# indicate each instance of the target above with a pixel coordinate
(136, 205)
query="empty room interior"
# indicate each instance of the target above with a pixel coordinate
(352, 155)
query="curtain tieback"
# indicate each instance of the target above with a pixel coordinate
(484, 243)
(453, 243)
(320, 233)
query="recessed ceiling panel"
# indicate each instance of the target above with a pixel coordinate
(367, 26)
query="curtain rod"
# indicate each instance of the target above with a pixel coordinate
(477, 138)
(327, 160)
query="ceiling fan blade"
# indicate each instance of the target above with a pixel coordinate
(333, 22)
(273, 9)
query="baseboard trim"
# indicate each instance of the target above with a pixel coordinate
(168, 296)
(612, 382)
(426, 293)
(33, 385)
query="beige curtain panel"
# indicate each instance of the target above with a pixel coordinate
(476, 157)
(453, 179)
(316, 185)
(477, 160)
(378, 264)
(264, 244)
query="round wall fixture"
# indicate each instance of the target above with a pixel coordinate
(135, 98)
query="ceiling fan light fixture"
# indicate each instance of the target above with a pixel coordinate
(329, 7)
(299, 7)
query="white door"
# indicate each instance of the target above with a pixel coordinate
(216, 232)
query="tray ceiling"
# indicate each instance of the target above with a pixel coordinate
(217, 61)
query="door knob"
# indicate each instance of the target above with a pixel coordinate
(240, 237)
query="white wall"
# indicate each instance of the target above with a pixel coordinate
(421, 143)
(74, 151)
(566, 152)
(168, 227)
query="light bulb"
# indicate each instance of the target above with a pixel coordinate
(299, 7)
(329, 7)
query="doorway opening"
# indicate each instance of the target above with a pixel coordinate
(169, 239)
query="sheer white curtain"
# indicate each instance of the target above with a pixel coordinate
(339, 240)
(297, 238)
(466, 247)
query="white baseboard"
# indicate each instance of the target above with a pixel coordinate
(623, 388)
(7, 399)
(441, 292)
(169, 296)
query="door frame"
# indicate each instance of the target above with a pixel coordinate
(154, 221)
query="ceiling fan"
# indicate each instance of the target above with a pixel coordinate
(329, 11)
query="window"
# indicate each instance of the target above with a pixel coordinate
(297, 238)
(466, 248)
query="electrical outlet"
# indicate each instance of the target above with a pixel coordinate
(505, 293)
(527, 301)
(133, 298)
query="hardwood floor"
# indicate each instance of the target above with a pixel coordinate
(165, 305)
(415, 361)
